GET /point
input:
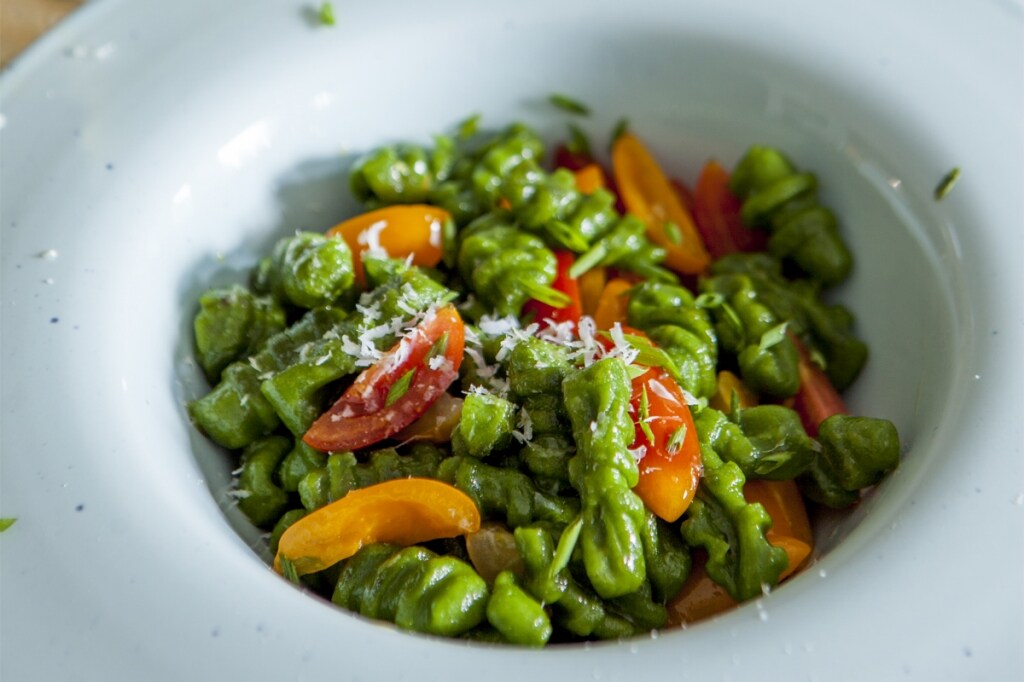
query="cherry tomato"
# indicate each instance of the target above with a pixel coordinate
(363, 415)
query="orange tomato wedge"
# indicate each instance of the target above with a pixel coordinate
(649, 195)
(404, 511)
(613, 303)
(791, 529)
(669, 472)
(591, 285)
(401, 231)
(729, 385)
(590, 178)
(363, 415)
(700, 597)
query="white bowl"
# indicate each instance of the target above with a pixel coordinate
(151, 149)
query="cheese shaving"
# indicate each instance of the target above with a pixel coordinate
(524, 434)
(370, 238)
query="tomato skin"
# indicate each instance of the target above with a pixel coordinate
(361, 416)
(668, 480)
(568, 286)
(401, 230)
(817, 399)
(650, 196)
(716, 211)
(404, 511)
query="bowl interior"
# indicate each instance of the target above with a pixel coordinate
(221, 166)
(691, 97)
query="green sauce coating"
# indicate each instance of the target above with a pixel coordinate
(261, 498)
(666, 556)
(401, 174)
(594, 562)
(342, 472)
(507, 494)
(827, 329)
(766, 441)
(858, 451)
(413, 588)
(604, 472)
(486, 424)
(516, 614)
(746, 327)
(506, 267)
(309, 269)
(236, 412)
(669, 315)
(625, 245)
(803, 232)
(720, 520)
(231, 324)
(537, 367)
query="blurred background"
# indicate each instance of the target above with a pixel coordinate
(22, 21)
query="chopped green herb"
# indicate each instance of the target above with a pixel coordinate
(620, 129)
(946, 184)
(567, 236)
(819, 359)
(732, 318)
(568, 104)
(588, 260)
(645, 415)
(675, 441)
(636, 371)
(326, 14)
(735, 404)
(649, 354)
(566, 544)
(6, 523)
(578, 142)
(439, 348)
(674, 234)
(449, 243)
(288, 569)
(469, 127)
(544, 294)
(773, 336)
(401, 387)
(709, 300)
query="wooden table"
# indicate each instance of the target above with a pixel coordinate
(22, 21)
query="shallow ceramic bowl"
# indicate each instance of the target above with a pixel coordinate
(153, 149)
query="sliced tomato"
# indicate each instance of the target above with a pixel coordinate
(791, 529)
(571, 160)
(362, 415)
(683, 192)
(716, 212)
(590, 178)
(649, 196)
(670, 467)
(613, 305)
(817, 399)
(575, 161)
(401, 230)
(567, 285)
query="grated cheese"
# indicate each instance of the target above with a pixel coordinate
(524, 434)
(658, 389)
(623, 348)
(638, 452)
(370, 238)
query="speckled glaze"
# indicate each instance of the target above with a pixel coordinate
(151, 149)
